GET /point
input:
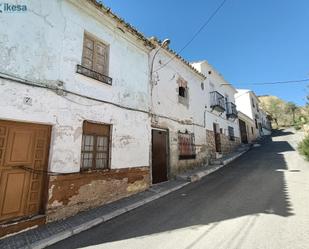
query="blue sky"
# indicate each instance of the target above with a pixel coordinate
(248, 41)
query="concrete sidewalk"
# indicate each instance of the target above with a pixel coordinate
(51, 233)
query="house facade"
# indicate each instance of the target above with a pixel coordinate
(266, 122)
(248, 103)
(91, 111)
(248, 133)
(222, 129)
(177, 105)
(74, 112)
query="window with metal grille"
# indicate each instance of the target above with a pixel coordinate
(95, 146)
(95, 55)
(95, 60)
(231, 133)
(186, 146)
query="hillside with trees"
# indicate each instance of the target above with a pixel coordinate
(284, 114)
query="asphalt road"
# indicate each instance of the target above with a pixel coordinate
(261, 200)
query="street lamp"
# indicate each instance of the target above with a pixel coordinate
(164, 44)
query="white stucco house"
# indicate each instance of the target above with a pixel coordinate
(248, 103)
(177, 105)
(221, 120)
(74, 112)
(92, 111)
(248, 133)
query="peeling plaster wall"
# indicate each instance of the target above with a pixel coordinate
(168, 109)
(81, 191)
(44, 45)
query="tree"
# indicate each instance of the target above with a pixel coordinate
(291, 108)
(275, 107)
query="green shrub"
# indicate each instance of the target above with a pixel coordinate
(303, 147)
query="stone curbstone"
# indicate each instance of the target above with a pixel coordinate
(87, 225)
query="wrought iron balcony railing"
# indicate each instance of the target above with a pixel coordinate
(93, 74)
(217, 101)
(231, 111)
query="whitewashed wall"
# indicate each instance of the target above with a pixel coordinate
(244, 99)
(223, 87)
(177, 116)
(249, 124)
(44, 45)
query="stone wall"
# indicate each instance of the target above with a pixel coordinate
(227, 145)
(72, 193)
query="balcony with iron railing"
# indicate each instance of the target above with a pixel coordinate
(93, 74)
(217, 101)
(231, 111)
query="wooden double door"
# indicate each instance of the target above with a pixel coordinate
(23, 165)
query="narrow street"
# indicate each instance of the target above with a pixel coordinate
(260, 201)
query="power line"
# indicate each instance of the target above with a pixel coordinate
(195, 35)
(271, 83)
(280, 82)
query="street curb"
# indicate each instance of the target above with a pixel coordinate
(101, 219)
(96, 221)
(199, 175)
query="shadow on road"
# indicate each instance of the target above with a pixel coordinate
(279, 133)
(252, 185)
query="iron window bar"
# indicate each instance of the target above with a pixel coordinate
(190, 150)
(93, 74)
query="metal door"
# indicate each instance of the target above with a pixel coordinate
(23, 151)
(159, 156)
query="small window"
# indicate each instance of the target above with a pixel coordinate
(186, 146)
(95, 60)
(182, 91)
(252, 130)
(231, 133)
(95, 55)
(256, 124)
(95, 146)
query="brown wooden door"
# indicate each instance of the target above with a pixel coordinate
(23, 149)
(159, 156)
(243, 131)
(217, 137)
